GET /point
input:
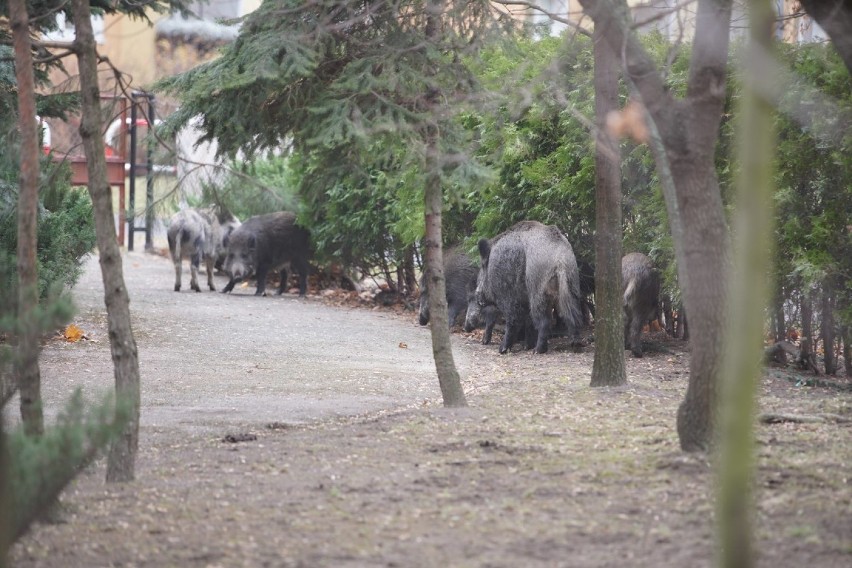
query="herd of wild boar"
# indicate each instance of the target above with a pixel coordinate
(528, 275)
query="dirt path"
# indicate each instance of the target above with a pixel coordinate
(359, 471)
(211, 360)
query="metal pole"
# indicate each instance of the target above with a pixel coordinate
(131, 213)
(149, 177)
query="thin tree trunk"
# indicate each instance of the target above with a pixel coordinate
(408, 271)
(683, 134)
(827, 327)
(743, 352)
(6, 514)
(807, 316)
(780, 320)
(122, 454)
(442, 350)
(847, 350)
(608, 368)
(28, 373)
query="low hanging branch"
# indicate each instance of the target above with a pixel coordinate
(803, 356)
(773, 418)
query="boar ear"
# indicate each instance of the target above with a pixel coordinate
(484, 250)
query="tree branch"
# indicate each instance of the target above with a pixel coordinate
(552, 15)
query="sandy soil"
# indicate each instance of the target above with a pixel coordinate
(355, 462)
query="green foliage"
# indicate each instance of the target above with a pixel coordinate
(65, 222)
(254, 188)
(66, 232)
(41, 467)
(814, 176)
(355, 91)
(544, 154)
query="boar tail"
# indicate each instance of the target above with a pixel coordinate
(629, 290)
(570, 299)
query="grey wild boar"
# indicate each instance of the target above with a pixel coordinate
(460, 279)
(530, 272)
(198, 234)
(641, 284)
(478, 315)
(264, 243)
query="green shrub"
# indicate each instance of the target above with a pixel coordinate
(66, 231)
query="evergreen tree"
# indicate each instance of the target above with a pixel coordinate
(337, 81)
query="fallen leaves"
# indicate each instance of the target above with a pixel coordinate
(73, 334)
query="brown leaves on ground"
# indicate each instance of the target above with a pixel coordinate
(73, 334)
(542, 471)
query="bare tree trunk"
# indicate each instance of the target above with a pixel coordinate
(442, 350)
(608, 367)
(807, 316)
(668, 313)
(778, 310)
(5, 501)
(847, 350)
(683, 136)
(827, 327)
(743, 350)
(122, 455)
(409, 275)
(27, 369)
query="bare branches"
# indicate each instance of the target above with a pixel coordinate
(532, 8)
(660, 14)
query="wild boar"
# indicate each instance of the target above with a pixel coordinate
(264, 243)
(641, 284)
(198, 234)
(530, 272)
(460, 278)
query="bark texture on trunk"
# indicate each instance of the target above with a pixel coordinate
(122, 455)
(442, 350)
(608, 368)
(827, 327)
(780, 319)
(683, 135)
(27, 368)
(5, 502)
(807, 316)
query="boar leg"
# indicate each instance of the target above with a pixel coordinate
(490, 315)
(261, 280)
(452, 314)
(177, 263)
(302, 267)
(230, 285)
(509, 335)
(530, 334)
(282, 287)
(208, 262)
(636, 335)
(193, 282)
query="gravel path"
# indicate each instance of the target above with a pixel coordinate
(210, 360)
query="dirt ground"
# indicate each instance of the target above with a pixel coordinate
(540, 470)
